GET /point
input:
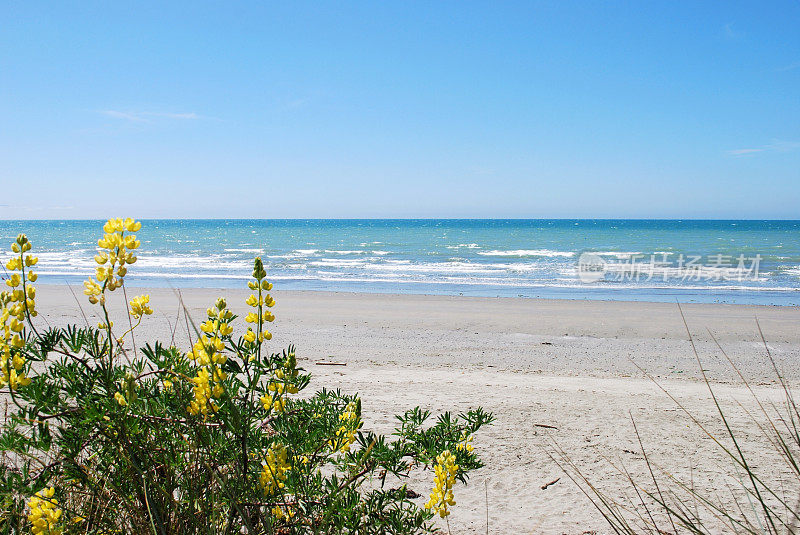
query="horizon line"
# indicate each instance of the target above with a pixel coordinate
(414, 219)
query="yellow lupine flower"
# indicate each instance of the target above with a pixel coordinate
(102, 274)
(445, 477)
(273, 472)
(17, 341)
(203, 392)
(15, 306)
(280, 385)
(259, 316)
(465, 443)
(282, 513)
(131, 242)
(208, 354)
(350, 424)
(115, 253)
(120, 399)
(44, 513)
(131, 225)
(140, 306)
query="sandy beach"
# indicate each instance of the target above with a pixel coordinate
(552, 371)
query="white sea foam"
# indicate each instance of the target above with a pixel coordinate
(528, 252)
(433, 268)
(793, 271)
(205, 263)
(618, 254)
(297, 253)
(437, 268)
(305, 264)
(339, 262)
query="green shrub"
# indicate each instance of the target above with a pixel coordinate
(101, 438)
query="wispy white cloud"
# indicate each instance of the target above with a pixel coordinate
(147, 116)
(123, 115)
(775, 146)
(191, 115)
(742, 152)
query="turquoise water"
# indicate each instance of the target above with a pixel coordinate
(528, 258)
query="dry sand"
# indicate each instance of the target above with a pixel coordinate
(571, 365)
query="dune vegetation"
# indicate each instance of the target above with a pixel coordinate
(102, 436)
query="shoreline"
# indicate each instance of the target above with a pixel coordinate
(238, 284)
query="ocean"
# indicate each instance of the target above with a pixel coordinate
(755, 262)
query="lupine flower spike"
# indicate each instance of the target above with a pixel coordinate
(260, 302)
(273, 472)
(17, 304)
(442, 495)
(350, 422)
(44, 513)
(208, 354)
(116, 253)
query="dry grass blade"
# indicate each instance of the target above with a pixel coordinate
(759, 501)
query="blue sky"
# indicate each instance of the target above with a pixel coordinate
(400, 109)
